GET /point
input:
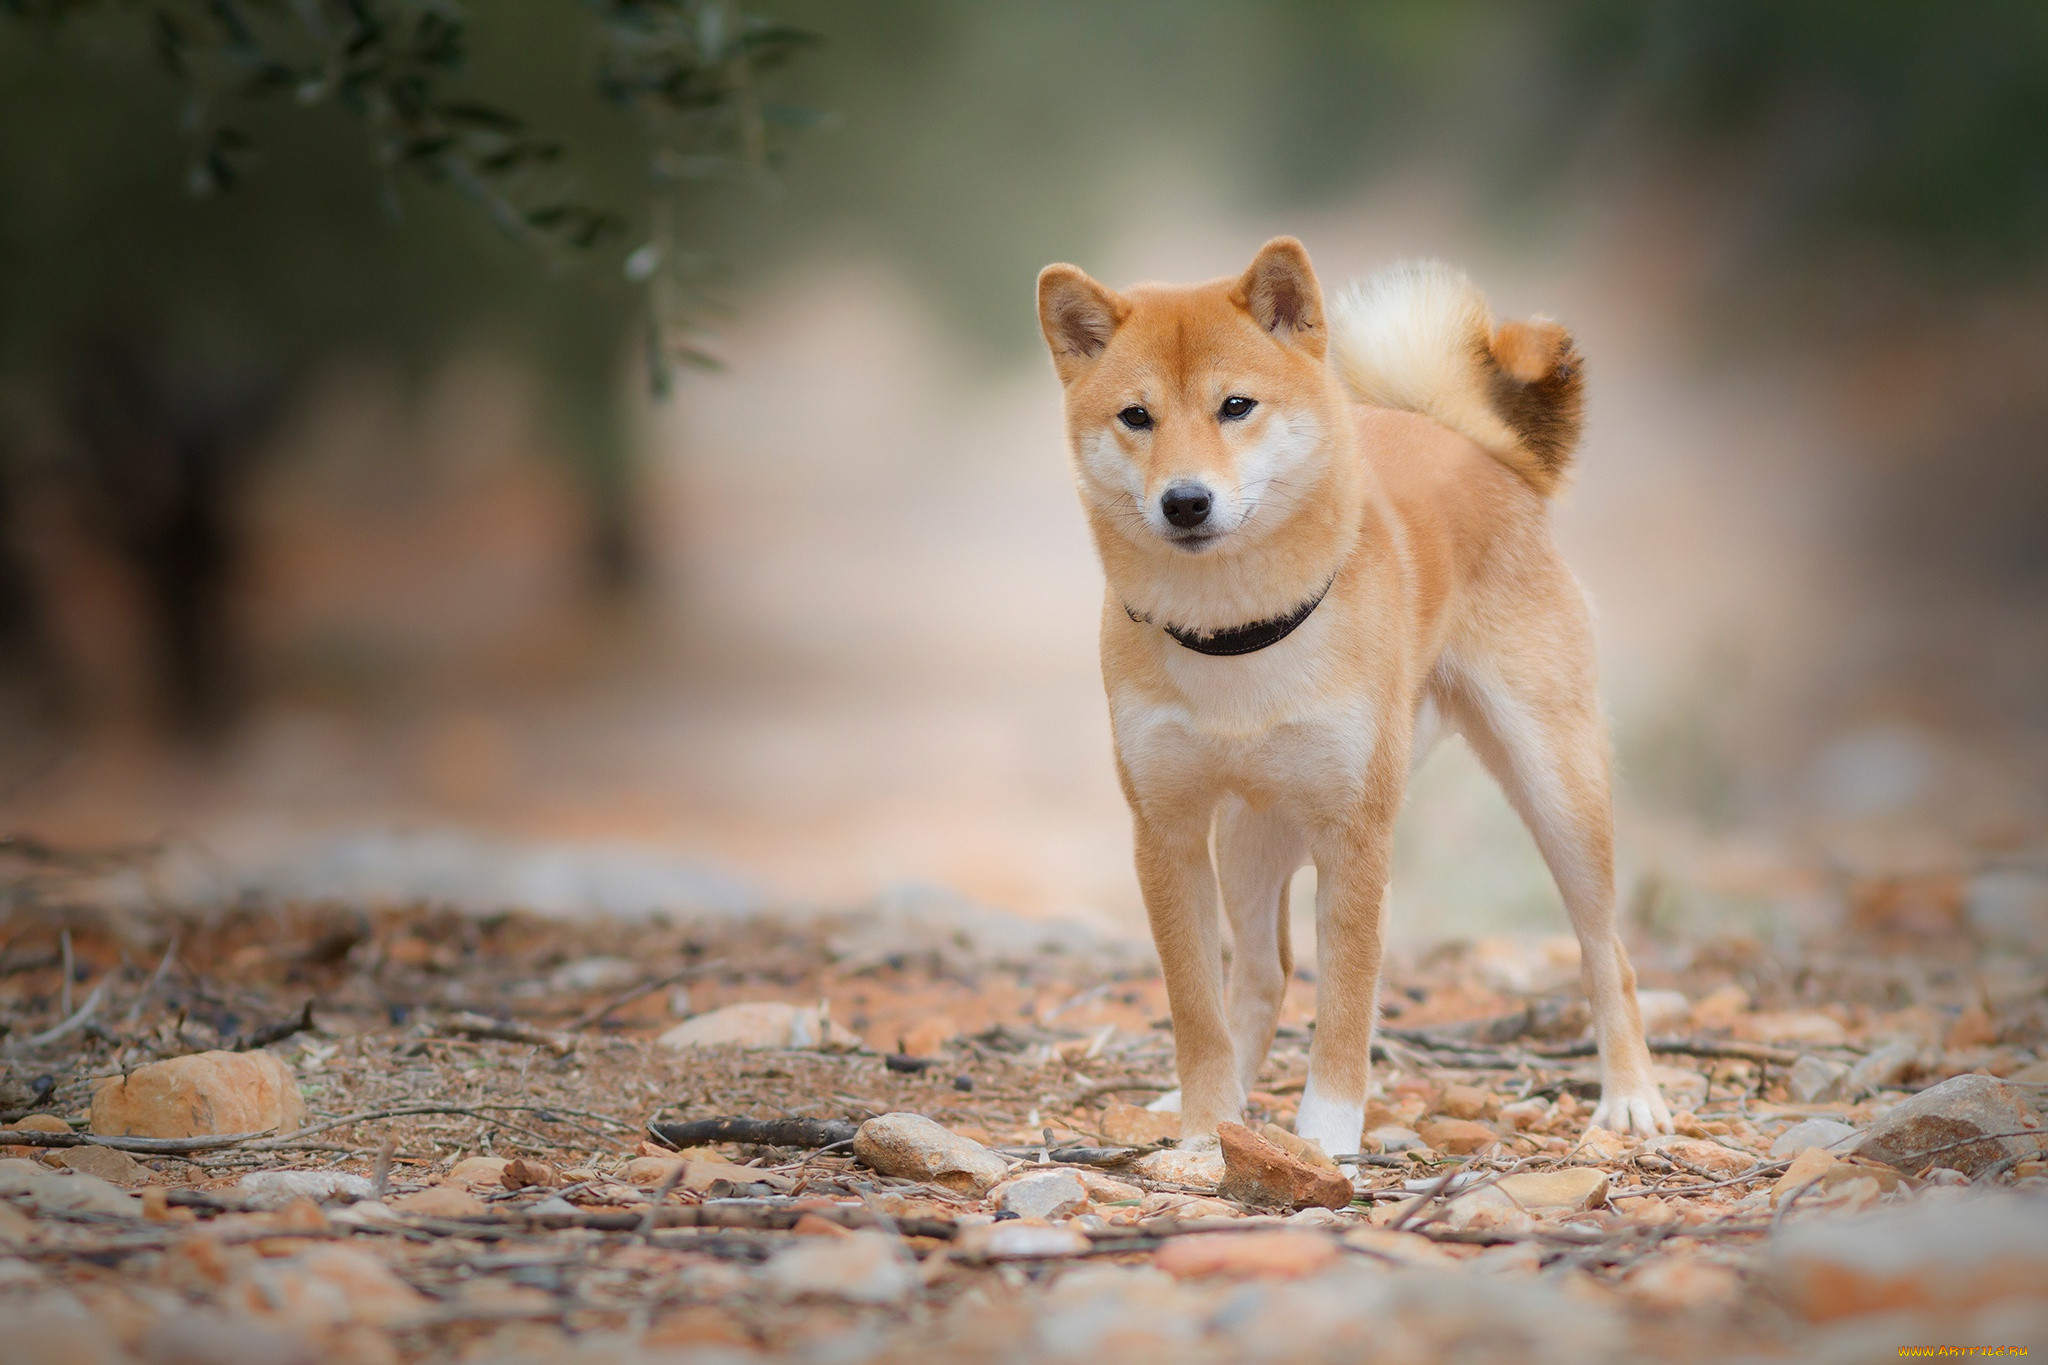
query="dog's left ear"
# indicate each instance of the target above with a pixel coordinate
(1280, 291)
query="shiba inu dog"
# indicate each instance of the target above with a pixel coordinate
(1326, 536)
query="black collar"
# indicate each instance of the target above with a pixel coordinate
(1242, 639)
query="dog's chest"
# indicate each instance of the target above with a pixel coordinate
(1268, 726)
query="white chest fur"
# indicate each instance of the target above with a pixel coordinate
(1271, 725)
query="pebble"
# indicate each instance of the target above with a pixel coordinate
(1169, 1204)
(200, 1094)
(524, 1173)
(479, 1172)
(1131, 1126)
(1957, 1253)
(1178, 1166)
(48, 1191)
(1959, 1108)
(1258, 1171)
(106, 1163)
(1574, 1187)
(1469, 1102)
(1393, 1137)
(1883, 1069)
(865, 1267)
(275, 1189)
(1276, 1252)
(1042, 1195)
(1603, 1144)
(1701, 1156)
(755, 1024)
(439, 1201)
(915, 1148)
(1827, 1133)
(1018, 1240)
(1460, 1137)
(1815, 1080)
(329, 1285)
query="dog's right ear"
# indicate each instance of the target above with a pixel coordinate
(1078, 317)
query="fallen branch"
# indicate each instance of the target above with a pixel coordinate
(467, 1025)
(21, 1137)
(1690, 1047)
(71, 1025)
(760, 1132)
(277, 1033)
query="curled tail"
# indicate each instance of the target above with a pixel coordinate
(1419, 337)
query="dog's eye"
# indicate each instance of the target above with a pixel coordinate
(1135, 417)
(1237, 406)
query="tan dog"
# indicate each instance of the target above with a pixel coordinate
(1326, 539)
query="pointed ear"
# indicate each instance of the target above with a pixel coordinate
(1280, 291)
(1078, 317)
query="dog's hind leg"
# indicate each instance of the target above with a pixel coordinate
(1532, 715)
(1257, 852)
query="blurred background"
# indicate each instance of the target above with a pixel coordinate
(599, 453)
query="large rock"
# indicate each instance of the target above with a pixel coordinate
(915, 1148)
(1043, 1195)
(200, 1094)
(866, 1267)
(1956, 1254)
(1259, 1172)
(1913, 1134)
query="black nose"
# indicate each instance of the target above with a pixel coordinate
(1185, 504)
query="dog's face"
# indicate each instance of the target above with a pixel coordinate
(1197, 414)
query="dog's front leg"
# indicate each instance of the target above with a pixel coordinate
(1351, 887)
(1179, 885)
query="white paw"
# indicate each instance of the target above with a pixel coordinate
(1333, 1124)
(1641, 1112)
(1169, 1103)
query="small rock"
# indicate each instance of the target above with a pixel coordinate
(1044, 1195)
(200, 1094)
(1131, 1126)
(1701, 1156)
(1603, 1144)
(1178, 1166)
(329, 1285)
(1526, 1114)
(1826, 1133)
(1815, 1080)
(1392, 1137)
(554, 1206)
(34, 1123)
(1958, 1109)
(1488, 1207)
(1804, 1028)
(1469, 1102)
(106, 1163)
(1259, 1172)
(1573, 1187)
(915, 1148)
(1018, 1240)
(1809, 1166)
(928, 1036)
(1958, 1253)
(1682, 1282)
(48, 1191)
(594, 974)
(524, 1173)
(755, 1024)
(1106, 1189)
(1663, 1011)
(479, 1173)
(275, 1189)
(865, 1267)
(1168, 1204)
(1460, 1137)
(1278, 1252)
(439, 1201)
(1883, 1069)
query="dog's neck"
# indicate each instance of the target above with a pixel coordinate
(1232, 586)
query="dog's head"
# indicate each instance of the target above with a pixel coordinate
(1198, 414)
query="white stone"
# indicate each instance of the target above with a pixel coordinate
(1017, 1240)
(1177, 1166)
(915, 1148)
(1042, 1194)
(275, 1189)
(755, 1024)
(866, 1267)
(1815, 1080)
(1826, 1133)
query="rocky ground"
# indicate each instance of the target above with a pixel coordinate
(286, 1132)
